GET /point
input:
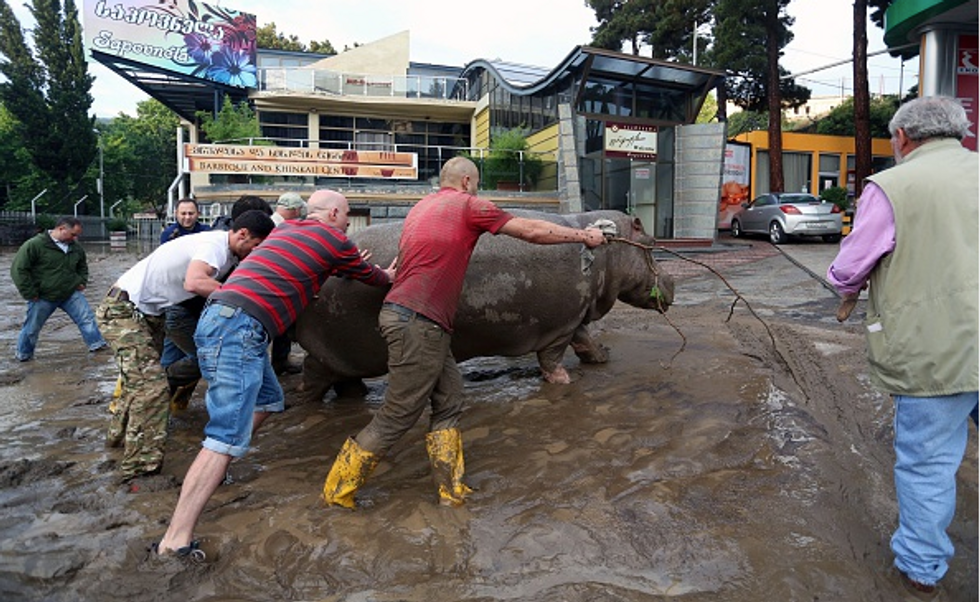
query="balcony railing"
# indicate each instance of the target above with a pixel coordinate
(319, 81)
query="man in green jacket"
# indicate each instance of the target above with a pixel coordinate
(50, 271)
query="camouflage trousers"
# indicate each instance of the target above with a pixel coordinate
(139, 417)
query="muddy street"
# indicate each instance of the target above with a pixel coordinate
(730, 471)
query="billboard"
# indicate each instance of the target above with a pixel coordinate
(212, 43)
(966, 84)
(735, 182)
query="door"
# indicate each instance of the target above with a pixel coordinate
(643, 193)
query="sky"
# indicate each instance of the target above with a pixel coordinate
(522, 31)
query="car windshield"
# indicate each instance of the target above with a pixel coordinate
(798, 199)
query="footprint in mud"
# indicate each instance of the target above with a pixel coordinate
(12, 474)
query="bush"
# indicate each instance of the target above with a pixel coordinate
(836, 195)
(117, 224)
(503, 163)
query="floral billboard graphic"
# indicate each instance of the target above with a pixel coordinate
(199, 40)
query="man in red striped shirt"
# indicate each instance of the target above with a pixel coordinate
(259, 301)
(416, 320)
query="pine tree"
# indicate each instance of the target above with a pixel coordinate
(48, 93)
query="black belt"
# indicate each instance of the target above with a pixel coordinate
(117, 294)
(408, 313)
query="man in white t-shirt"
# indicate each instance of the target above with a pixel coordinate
(131, 318)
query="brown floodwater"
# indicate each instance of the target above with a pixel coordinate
(731, 471)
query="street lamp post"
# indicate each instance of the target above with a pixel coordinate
(101, 185)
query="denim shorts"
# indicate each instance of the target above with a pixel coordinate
(233, 352)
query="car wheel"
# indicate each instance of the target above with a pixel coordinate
(736, 229)
(831, 238)
(777, 235)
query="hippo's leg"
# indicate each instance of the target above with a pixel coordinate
(549, 359)
(587, 350)
(317, 380)
(350, 388)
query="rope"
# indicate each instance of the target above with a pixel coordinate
(731, 310)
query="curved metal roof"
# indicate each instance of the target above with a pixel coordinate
(597, 62)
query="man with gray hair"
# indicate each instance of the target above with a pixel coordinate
(914, 244)
(289, 206)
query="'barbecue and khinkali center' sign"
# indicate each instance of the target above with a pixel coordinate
(282, 161)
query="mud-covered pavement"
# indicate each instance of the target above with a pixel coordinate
(733, 472)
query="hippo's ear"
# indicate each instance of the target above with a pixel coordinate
(637, 225)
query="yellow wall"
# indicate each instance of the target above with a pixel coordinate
(545, 145)
(816, 144)
(481, 129)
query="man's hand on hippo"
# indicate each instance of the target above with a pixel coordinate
(391, 269)
(595, 237)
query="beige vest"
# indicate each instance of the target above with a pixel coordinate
(922, 311)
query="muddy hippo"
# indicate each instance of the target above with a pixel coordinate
(517, 298)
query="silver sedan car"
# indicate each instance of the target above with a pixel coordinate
(785, 214)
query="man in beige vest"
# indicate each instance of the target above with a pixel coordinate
(914, 244)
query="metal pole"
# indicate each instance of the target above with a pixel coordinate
(79, 202)
(34, 207)
(112, 213)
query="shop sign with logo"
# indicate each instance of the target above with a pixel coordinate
(631, 141)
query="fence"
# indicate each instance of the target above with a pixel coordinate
(17, 226)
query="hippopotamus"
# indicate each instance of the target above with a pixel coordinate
(517, 298)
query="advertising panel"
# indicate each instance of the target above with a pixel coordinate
(966, 84)
(631, 141)
(199, 40)
(735, 181)
(279, 161)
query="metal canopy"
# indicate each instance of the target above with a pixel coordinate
(181, 94)
(590, 66)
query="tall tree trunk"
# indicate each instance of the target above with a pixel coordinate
(773, 98)
(862, 98)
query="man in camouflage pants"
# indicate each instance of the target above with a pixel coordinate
(132, 319)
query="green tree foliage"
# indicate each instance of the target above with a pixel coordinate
(234, 123)
(840, 120)
(749, 36)
(709, 110)
(140, 156)
(509, 160)
(20, 181)
(266, 36)
(667, 26)
(746, 121)
(741, 33)
(48, 93)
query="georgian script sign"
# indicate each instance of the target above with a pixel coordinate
(631, 141)
(280, 161)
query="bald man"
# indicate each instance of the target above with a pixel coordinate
(260, 300)
(416, 320)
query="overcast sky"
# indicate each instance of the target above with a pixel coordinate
(525, 31)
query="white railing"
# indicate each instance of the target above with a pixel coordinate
(319, 81)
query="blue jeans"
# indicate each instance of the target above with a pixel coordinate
(930, 439)
(232, 350)
(38, 313)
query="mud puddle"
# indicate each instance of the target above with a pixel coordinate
(732, 472)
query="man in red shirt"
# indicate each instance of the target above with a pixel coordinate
(416, 320)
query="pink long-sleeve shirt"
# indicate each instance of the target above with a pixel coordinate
(872, 238)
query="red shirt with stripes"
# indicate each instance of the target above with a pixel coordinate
(437, 241)
(280, 277)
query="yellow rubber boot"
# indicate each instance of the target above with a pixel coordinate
(352, 467)
(180, 397)
(445, 449)
(116, 394)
